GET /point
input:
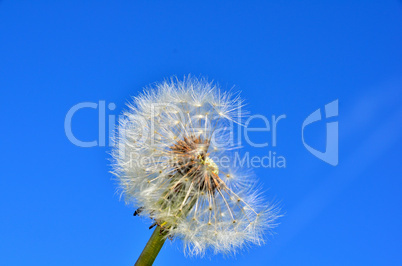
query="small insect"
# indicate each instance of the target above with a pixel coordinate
(153, 225)
(138, 211)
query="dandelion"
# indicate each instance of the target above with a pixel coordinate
(174, 160)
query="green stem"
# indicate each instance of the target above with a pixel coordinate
(159, 236)
(152, 248)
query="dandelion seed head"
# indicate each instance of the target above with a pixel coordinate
(168, 161)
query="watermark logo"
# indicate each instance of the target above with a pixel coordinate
(101, 107)
(330, 155)
(141, 130)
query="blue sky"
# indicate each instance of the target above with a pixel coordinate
(58, 202)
